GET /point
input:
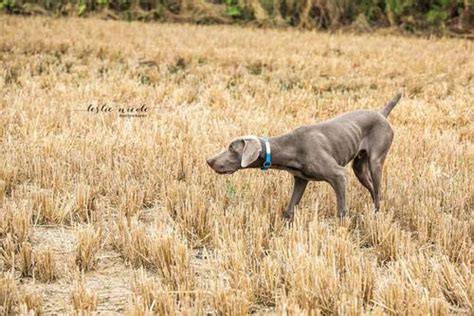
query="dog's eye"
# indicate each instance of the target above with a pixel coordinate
(231, 149)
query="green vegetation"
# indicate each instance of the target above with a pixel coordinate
(409, 15)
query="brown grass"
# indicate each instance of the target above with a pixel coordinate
(159, 232)
(9, 297)
(150, 295)
(45, 265)
(32, 304)
(26, 260)
(84, 301)
(89, 242)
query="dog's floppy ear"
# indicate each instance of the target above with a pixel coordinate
(251, 151)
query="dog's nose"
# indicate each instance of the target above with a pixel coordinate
(209, 162)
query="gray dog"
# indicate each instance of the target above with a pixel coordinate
(319, 152)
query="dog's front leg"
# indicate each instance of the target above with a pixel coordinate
(298, 190)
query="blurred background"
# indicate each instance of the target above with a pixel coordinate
(438, 16)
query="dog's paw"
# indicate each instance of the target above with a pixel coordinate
(288, 223)
(288, 215)
(341, 214)
(288, 219)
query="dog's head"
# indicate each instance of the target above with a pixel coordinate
(243, 152)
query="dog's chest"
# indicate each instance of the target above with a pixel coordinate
(298, 173)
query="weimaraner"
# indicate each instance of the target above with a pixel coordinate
(319, 152)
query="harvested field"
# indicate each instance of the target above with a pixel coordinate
(109, 212)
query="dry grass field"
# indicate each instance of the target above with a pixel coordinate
(102, 212)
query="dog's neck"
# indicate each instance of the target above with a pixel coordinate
(283, 151)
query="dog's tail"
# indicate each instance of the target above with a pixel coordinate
(390, 105)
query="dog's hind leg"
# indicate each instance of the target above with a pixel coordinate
(360, 165)
(380, 142)
(375, 167)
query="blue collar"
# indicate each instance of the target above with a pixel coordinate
(268, 154)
